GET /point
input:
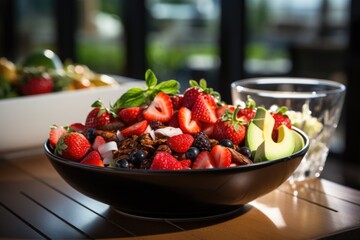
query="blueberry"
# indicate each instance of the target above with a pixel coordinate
(226, 143)
(192, 153)
(90, 134)
(123, 163)
(137, 156)
(246, 152)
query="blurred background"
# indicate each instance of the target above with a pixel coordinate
(221, 41)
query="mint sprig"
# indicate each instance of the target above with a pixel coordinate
(137, 96)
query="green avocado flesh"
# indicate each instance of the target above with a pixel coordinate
(260, 142)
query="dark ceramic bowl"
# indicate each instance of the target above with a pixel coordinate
(177, 194)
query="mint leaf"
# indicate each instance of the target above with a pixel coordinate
(169, 87)
(133, 97)
(151, 79)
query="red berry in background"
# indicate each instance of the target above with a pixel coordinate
(37, 85)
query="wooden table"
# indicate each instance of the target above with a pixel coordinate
(35, 203)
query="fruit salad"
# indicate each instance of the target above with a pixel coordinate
(159, 128)
(43, 72)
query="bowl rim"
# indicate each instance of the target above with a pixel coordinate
(246, 167)
(240, 85)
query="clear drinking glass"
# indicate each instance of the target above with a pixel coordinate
(314, 105)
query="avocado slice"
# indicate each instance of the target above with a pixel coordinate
(259, 138)
(299, 142)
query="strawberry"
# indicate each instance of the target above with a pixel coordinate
(98, 141)
(221, 110)
(204, 108)
(55, 133)
(130, 115)
(222, 156)
(99, 116)
(165, 161)
(73, 146)
(174, 121)
(93, 158)
(177, 101)
(229, 127)
(190, 95)
(160, 109)
(38, 84)
(186, 163)
(187, 124)
(280, 119)
(208, 128)
(135, 129)
(77, 127)
(180, 143)
(247, 113)
(203, 160)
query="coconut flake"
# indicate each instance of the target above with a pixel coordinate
(119, 136)
(107, 147)
(168, 131)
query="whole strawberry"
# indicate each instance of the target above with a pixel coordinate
(37, 84)
(247, 113)
(73, 146)
(99, 116)
(280, 119)
(229, 127)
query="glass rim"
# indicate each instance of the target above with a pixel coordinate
(337, 87)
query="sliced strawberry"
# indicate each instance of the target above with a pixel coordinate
(204, 108)
(187, 124)
(98, 141)
(77, 127)
(190, 96)
(135, 129)
(160, 109)
(203, 160)
(186, 163)
(165, 161)
(130, 115)
(93, 158)
(73, 146)
(55, 133)
(222, 156)
(180, 143)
